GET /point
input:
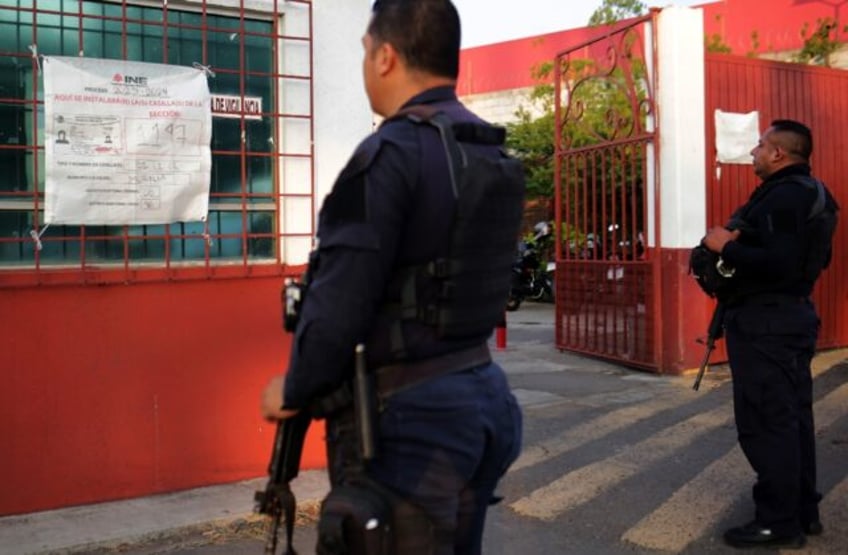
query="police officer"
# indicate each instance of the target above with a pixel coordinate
(771, 326)
(448, 426)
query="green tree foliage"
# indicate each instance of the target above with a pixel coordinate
(755, 44)
(531, 137)
(531, 141)
(616, 10)
(714, 43)
(601, 108)
(820, 44)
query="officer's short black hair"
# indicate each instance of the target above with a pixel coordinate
(426, 33)
(802, 143)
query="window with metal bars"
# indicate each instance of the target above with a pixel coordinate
(241, 49)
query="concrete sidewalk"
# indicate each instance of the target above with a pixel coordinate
(105, 526)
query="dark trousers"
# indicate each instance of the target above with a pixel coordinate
(443, 445)
(770, 346)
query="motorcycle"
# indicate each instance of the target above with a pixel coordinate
(530, 278)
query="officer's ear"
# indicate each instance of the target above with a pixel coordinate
(783, 147)
(779, 153)
(386, 58)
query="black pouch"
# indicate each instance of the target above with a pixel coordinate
(366, 518)
(356, 519)
(706, 266)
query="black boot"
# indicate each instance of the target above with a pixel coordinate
(755, 534)
(812, 528)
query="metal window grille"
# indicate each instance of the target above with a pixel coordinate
(249, 52)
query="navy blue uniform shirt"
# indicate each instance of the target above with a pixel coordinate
(390, 207)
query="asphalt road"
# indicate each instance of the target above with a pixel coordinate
(618, 461)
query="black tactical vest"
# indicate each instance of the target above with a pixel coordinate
(463, 295)
(820, 225)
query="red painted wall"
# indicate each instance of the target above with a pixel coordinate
(116, 391)
(686, 312)
(777, 23)
(508, 65)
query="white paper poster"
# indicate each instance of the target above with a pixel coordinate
(125, 142)
(736, 135)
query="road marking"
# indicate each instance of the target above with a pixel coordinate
(531, 398)
(693, 509)
(596, 428)
(587, 482)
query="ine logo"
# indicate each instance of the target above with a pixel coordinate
(129, 80)
(136, 85)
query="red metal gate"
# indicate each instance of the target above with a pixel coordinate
(607, 277)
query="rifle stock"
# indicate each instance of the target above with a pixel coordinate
(713, 333)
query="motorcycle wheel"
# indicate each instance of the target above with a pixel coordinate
(537, 292)
(549, 288)
(512, 304)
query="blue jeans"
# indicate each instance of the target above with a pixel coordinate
(444, 445)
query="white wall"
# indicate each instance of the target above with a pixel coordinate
(342, 114)
(499, 107)
(340, 110)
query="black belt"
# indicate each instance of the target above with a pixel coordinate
(393, 378)
(773, 299)
(403, 375)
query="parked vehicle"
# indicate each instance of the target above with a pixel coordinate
(532, 277)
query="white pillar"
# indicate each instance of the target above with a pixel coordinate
(681, 104)
(341, 116)
(683, 311)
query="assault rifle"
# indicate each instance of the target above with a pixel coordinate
(713, 332)
(278, 497)
(283, 468)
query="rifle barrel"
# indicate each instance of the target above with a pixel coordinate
(714, 332)
(704, 362)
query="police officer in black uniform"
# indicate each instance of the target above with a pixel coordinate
(448, 426)
(780, 244)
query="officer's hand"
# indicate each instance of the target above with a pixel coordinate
(272, 401)
(718, 237)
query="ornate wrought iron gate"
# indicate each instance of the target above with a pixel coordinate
(607, 297)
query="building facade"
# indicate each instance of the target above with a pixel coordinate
(133, 356)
